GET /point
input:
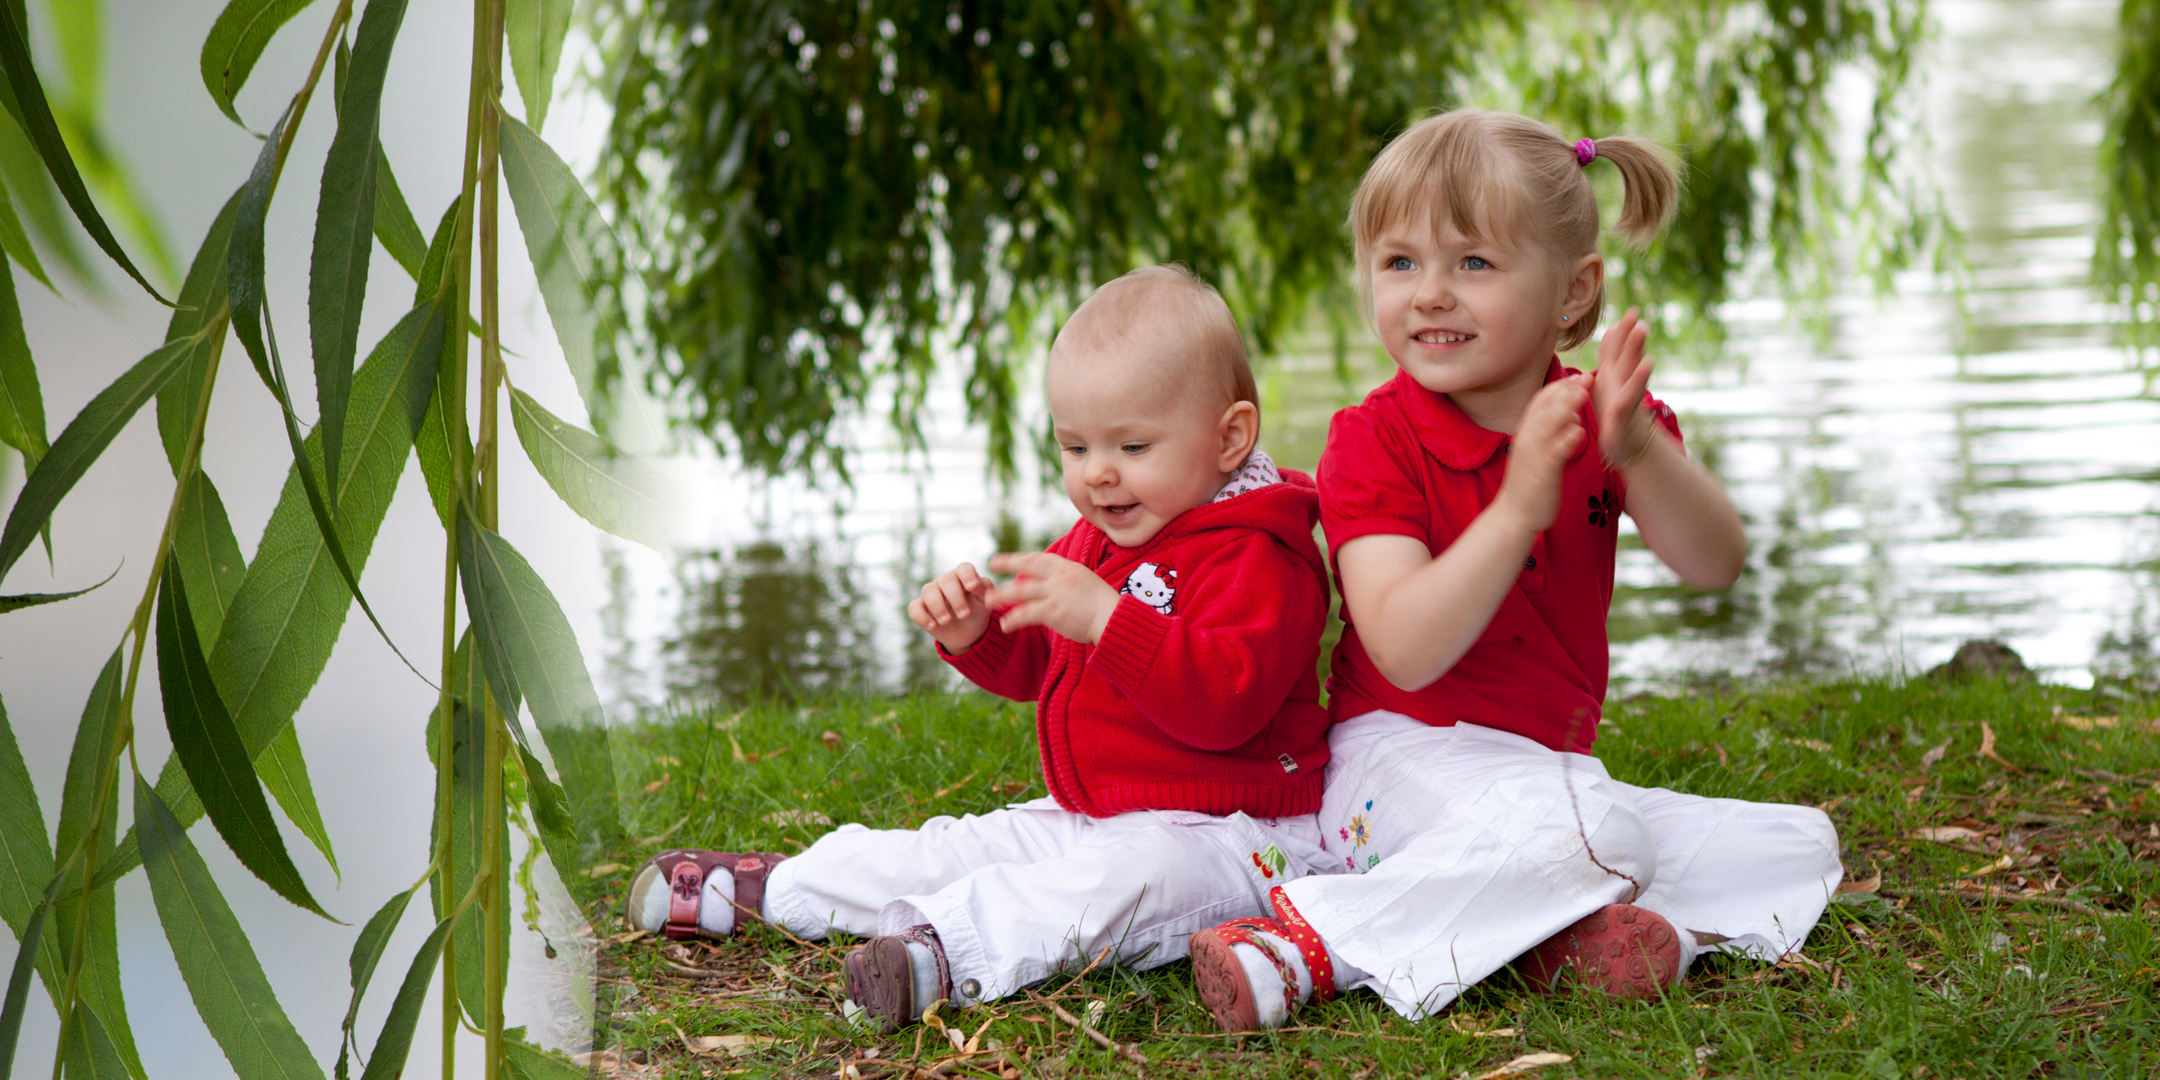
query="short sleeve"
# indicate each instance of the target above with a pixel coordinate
(1369, 480)
(1664, 415)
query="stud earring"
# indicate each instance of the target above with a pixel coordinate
(1565, 318)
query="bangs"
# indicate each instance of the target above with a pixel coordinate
(1446, 172)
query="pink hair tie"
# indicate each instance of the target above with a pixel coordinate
(1585, 152)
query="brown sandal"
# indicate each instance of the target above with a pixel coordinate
(683, 872)
(881, 978)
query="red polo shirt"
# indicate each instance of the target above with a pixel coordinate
(1408, 462)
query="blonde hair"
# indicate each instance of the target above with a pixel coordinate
(1497, 176)
(1142, 306)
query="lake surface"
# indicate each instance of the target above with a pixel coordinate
(1929, 467)
(1972, 456)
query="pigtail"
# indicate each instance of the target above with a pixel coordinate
(1650, 178)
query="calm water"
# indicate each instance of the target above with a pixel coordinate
(1913, 473)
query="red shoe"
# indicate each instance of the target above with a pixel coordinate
(1619, 949)
(683, 874)
(1220, 977)
(881, 979)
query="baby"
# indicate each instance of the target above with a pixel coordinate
(1168, 641)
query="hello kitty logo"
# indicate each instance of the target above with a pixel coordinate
(1152, 585)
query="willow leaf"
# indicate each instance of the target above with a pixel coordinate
(218, 765)
(22, 404)
(79, 445)
(535, 29)
(283, 769)
(39, 202)
(620, 494)
(345, 226)
(469, 811)
(367, 952)
(211, 565)
(79, 28)
(20, 601)
(201, 304)
(26, 103)
(93, 768)
(395, 1042)
(215, 959)
(236, 41)
(26, 863)
(91, 1053)
(524, 1061)
(394, 222)
(562, 227)
(16, 242)
(525, 647)
(28, 939)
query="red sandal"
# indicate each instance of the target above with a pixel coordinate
(1226, 991)
(683, 872)
(1619, 949)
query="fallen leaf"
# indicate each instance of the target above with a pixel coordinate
(1526, 1063)
(2087, 723)
(1987, 749)
(2004, 863)
(666, 760)
(797, 817)
(957, 785)
(1870, 885)
(1812, 744)
(660, 783)
(1723, 758)
(732, 1045)
(1928, 760)
(1945, 834)
(1011, 788)
(603, 870)
(831, 739)
(628, 936)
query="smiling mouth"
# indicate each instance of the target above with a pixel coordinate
(1441, 337)
(1119, 513)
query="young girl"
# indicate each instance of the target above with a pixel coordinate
(1471, 508)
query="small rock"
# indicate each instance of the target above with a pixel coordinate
(1983, 658)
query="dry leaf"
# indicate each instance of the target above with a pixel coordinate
(796, 817)
(831, 739)
(2087, 723)
(957, 785)
(732, 1045)
(1987, 749)
(1928, 760)
(628, 936)
(603, 870)
(1812, 744)
(660, 783)
(1870, 885)
(1010, 788)
(1945, 834)
(1526, 1063)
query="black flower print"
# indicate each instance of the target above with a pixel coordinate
(1601, 509)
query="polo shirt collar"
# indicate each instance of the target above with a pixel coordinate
(1448, 433)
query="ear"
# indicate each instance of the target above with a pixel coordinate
(1238, 430)
(1584, 277)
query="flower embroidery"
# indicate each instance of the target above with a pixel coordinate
(1271, 861)
(1601, 509)
(1359, 830)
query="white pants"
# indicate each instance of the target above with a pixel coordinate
(1018, 894)
(1473, 845)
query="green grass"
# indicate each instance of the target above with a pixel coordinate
(2047, 966)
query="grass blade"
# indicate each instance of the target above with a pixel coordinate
(345, 226)
(525, 646)
(18, 989)
(79, 445)
(394, 223)
(26, 103)
(367, 951)
(22, 404)
(16, 242)
(212, 951)
(535, 30)
(395, 1042)
(236, 41)
(562, 228)
(209, 747)
(620, 494)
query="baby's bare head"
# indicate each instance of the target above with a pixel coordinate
(1159, 335)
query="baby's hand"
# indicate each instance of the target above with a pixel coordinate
(1616, 392)
(954, 607)
(1053, 592)
(1550, 431)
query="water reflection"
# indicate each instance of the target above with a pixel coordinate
(1973, 457)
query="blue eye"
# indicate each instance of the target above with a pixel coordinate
(1476, 263)
(1076, 451)
(1401, 263)
(1133, 447)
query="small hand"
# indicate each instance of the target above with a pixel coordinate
(1616, 392)
(1549, 434)
(954, 607)
(1053, 592)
